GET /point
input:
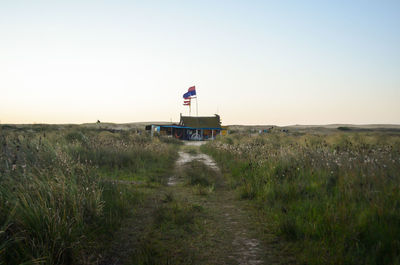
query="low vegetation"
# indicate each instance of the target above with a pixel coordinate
(169, 235)
(197, 173)
(61, 189)
(65, 190)
(336, 197)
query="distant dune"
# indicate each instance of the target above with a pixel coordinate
(364, 126)
(327, 128)
(236, 127)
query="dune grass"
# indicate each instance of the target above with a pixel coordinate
(57, 203)
(203, 179)
(167, 237)
(335, 197)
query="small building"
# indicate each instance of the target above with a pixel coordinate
(191, 128)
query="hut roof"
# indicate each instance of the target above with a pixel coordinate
(201, 122)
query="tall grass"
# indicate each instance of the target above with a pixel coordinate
(169, 238)
(335, 196)
(56, 203)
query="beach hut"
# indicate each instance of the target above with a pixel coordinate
(195, 128)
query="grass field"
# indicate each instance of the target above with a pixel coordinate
(60, 195)
(334, 196)
(90, 195)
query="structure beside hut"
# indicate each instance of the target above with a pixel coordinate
(191, 128)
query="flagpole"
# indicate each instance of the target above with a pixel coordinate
(197, 107)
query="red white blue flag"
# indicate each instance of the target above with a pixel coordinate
(191, 92)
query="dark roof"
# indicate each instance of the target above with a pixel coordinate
(201, 122)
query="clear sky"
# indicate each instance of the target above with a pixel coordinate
(253, 62)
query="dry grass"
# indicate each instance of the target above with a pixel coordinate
(336, 196)
(54, 206)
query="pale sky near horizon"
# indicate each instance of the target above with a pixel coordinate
(252, 62)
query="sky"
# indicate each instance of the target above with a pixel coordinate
(252, 62)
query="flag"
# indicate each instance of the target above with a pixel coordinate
(191, 92)
(187, 95)
(186, 101)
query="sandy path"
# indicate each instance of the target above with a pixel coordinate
(233, 239)
(230, 233)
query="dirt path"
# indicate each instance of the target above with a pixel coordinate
(229, 231)
(240, 246)
(232, 234)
